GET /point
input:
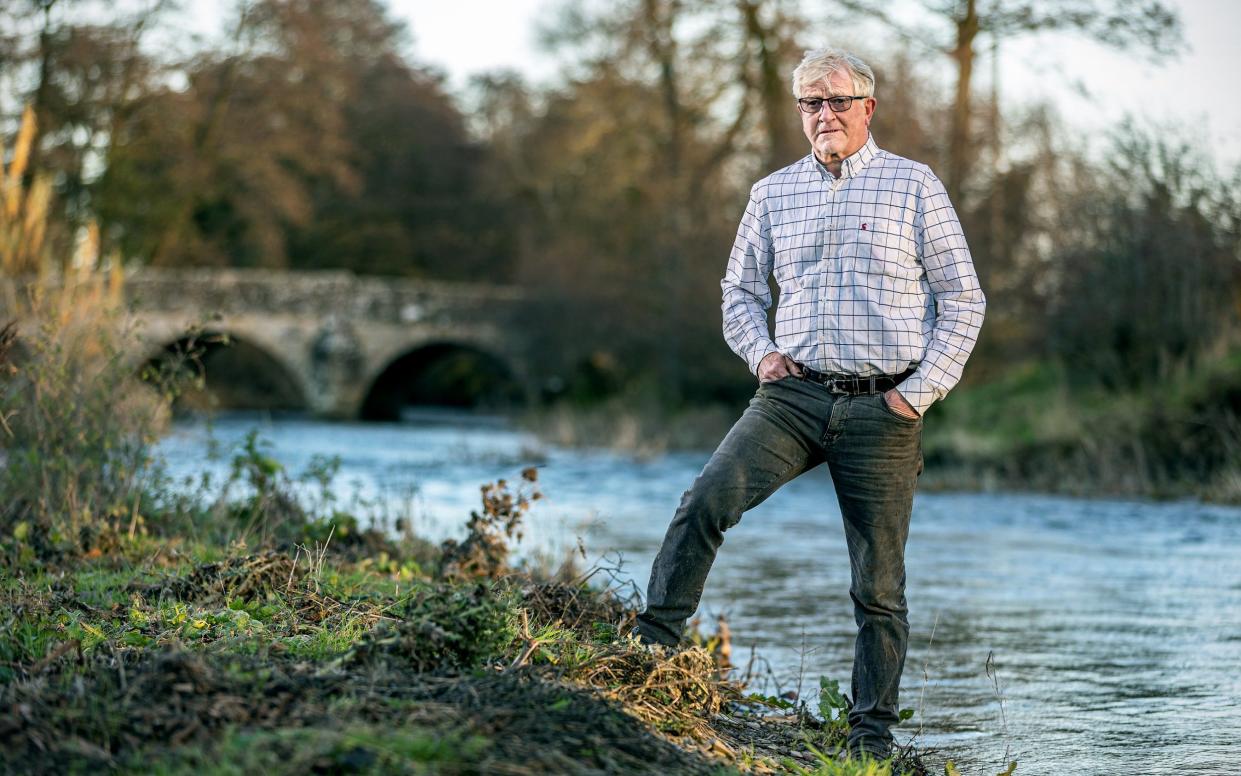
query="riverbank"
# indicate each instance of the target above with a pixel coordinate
(270, 639)
(1031, 429)
(1035, 430)
(256, 624)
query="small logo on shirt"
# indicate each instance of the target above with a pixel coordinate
(863, 227)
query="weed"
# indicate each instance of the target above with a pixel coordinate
(23, 211)
(442, 628)
(484, 552)
(826, 765)
(834, 708)
(76, 425)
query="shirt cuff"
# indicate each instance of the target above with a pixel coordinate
(758, 353)
(918, 392)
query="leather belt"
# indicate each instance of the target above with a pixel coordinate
(852, 384)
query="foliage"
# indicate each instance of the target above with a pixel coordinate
(830, 766)
(1148, 270)
(80, 67)
(485, 549)
(1038, 427)
(174, 654)
(355, 747)
(1155, 31)
(443, 627)
(833, 706)
(616, 190)
(359, 160)
(75, 422)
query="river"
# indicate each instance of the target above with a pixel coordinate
(1074, 636)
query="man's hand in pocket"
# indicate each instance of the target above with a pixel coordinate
(900, 405)
(775, 365)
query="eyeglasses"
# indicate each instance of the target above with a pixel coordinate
(837, 104)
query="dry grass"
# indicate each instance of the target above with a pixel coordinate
(676, 692)
(23, 211)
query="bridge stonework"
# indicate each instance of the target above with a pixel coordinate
(333, 332)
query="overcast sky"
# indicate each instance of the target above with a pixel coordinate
(1094, 87)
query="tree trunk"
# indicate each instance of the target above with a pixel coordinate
(663, 50)
(202, 140)
(999, 243)
(43, 120)
(660, 18)
(770, 86)
(959, 139)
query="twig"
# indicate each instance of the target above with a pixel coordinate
(133, 518)
(926, 678)
(288, 586)
(995, 680)
(750, 665)
(56, 654)
(801, 664)
(531, 643)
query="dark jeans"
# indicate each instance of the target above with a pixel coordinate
(874, 457)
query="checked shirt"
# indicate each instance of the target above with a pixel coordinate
(874, 273)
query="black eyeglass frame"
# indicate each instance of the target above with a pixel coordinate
(803, 103)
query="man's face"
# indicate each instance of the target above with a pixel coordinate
(836, 135)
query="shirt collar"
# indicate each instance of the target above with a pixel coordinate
(853, 164)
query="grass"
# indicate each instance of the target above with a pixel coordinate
(364, 747)
(1034, 429)
(167, 656)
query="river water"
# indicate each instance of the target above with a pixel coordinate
(1074, 636)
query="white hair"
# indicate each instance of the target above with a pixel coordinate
(819, 64)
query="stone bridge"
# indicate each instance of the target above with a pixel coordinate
(336, 344)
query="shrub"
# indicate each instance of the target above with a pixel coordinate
(484, 551)
(77, 422)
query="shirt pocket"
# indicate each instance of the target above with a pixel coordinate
(882, 249)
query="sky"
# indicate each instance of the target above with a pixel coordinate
(1194, 96)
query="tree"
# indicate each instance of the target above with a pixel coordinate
(631, 176)
(82, 80)
(307, 141)
(217, 172)
(1146, 268)
(420, 207)
(1151, 26)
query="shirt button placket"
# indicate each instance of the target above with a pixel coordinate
(824, 270)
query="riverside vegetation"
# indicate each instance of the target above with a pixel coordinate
(1030, 429)
(612, 191)
(162, 630)
(261, 625)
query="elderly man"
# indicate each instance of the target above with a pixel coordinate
(879, 308)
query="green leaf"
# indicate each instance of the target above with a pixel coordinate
(831, 700)
(135, 638)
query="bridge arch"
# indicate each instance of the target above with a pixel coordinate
(441, 374)
(239, 371)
